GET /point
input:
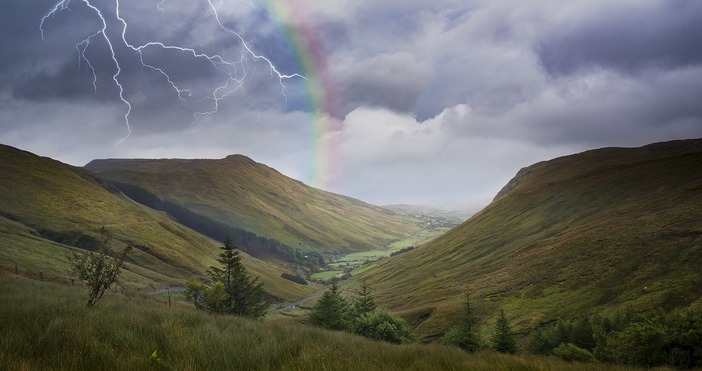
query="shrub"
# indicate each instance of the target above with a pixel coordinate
(98, 270)
(572, 353)
(383, 325)
(642, 344)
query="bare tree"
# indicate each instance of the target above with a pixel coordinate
(99, 269)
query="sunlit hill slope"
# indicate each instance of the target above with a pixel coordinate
(240, 193)
(48, 209)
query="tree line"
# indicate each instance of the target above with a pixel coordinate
(466, 335)
(655, 338)
(360, 316)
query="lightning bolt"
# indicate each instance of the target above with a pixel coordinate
(234, 70)
(159, 6)
(81, 56)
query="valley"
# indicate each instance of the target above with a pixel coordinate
(357, 262)
(591, 235)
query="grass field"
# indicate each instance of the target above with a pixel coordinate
(418, 239)
(325, 275)
(46, 326)
(363, 260)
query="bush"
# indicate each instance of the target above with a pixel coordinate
(642, 344)
(98, 270)
(572, 353)
(383, 325)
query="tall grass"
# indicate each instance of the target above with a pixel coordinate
(46, 326)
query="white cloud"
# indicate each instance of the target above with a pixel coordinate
(391, 157)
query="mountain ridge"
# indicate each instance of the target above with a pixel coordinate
(241, 193)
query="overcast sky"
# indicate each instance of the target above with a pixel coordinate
(436, 103)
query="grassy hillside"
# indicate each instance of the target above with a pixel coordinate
(48, 209)
(598, 231)
(46, 326)
(244, 194)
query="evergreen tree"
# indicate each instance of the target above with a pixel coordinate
(465, 334)
(582, 335)
(561, 334)
(331, 311)
(538, 344)
(503, 340)
(364, 302)
(232, 290)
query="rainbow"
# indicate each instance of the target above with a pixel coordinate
(310, 54)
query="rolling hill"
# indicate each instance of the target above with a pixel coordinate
(48, 209)
(595, 232)
(239, 196)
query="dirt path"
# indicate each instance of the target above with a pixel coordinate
(287, 306)
(303, 300)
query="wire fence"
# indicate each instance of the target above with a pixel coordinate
(166, 293)
(41, 275)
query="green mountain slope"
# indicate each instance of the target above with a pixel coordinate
(240, 193)
(48, 209)
(593, 232)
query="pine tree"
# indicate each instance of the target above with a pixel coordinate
(465, 334)
(331, 311)
(232, 290)
(364, 302)
(503, 340)
(582, 334)
(538, 344)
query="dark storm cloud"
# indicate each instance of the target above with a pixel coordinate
(35, 71)
(423, 88)
(393, 81)
(628, 39)
(68, 83)
(22, 48)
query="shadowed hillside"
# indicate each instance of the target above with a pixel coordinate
(239, 193)
(598, 231)
(48, 209)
